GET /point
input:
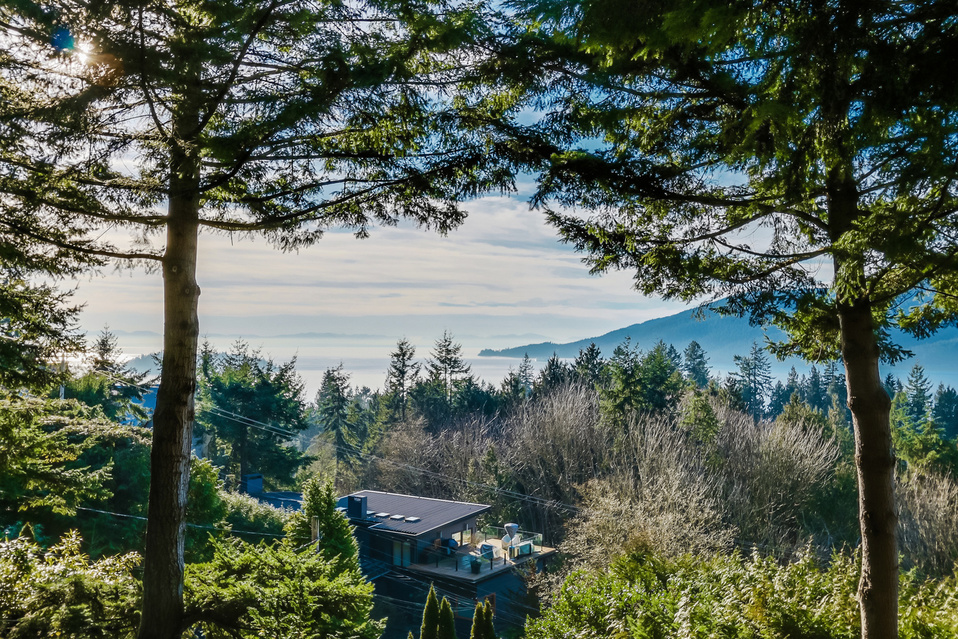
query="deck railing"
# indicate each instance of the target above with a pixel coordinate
(498, 532)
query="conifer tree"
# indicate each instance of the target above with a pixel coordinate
(332, 412)
(918, 392)
(488, 621)
(446, 367)
(447, 621)
(251, 408)
(283, 119)
(430, 616)
(335, 539)
(401, 376)
(695, 364)
(478, 628)
(754, 377)
(588, 365)
(945, 413)
(677, 133)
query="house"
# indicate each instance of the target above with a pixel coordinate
(407, 543)
(252, 485)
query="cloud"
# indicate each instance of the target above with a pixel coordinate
(503, 271)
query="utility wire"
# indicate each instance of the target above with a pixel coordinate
(199, 526)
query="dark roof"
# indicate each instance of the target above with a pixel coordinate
(431, 513)
(281, 499)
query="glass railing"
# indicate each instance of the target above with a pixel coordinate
(498, 532)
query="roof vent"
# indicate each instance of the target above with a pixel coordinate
(356, 507)
(398, 517)
(413, 520)
(381, 515)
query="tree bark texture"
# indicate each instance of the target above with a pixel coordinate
(875, 463)
(870, 407)
(163, 561)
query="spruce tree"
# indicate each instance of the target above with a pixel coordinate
(918, 392)
(332, 412)
(945, 413)
(695, 364)
(430, 616)
(588, 365)
(447, 621)
(446, 367)
(335, 539)
(754, 378)
(401, 376)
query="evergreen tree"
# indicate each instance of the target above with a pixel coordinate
(695, 364)
(490, 629)
(778, 398)
(401, 376)
(248, 117)
(620, 393)
(332, 412)
(331, 530)
(658, 378)
(588, 365)
(37, 328)
(945, 413)
(555, 374)
(832, 126)
(526, 374)
(110, 383)
(447, 621)
(511, 392)
(918, 393)
(252, 408)
(754, 379)
(814, 390)
(430, 616)
(892, 385)
(482, 623)
(447, 368)
(478, 630)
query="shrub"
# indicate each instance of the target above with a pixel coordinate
(729, 596)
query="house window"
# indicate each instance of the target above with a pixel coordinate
(402, 553)
(463, 537)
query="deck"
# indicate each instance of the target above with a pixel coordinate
(457, 566)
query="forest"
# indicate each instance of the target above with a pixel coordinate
(654, 478)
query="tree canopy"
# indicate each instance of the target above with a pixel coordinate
(270, 117)
(796, 157)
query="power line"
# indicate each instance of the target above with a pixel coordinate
(199, 526)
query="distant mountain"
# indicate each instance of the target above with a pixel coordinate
(723, 337)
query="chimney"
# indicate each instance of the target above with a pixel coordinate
(356, 507)
(252, 484)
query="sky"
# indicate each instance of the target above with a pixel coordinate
(501, 279)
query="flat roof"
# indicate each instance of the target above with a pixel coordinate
(426, 513)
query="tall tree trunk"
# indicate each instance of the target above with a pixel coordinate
(870, 407)
(875, 463)
(163, 561)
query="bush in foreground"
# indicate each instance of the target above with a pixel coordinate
(730, 596)
(244, 591)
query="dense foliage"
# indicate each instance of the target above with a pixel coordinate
(753, 597)
(244, 590)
